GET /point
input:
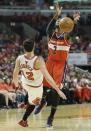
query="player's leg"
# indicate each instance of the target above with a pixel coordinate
(29, 109)
(46, 87)
(54, 104)
(34, 98)
(43, 101)
(58, 73)
(26, 99)
(27, 113)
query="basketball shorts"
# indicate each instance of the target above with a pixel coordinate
(34, 94)
(56, 69)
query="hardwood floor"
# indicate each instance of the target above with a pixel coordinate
(68, 118)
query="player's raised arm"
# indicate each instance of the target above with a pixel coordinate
(16, 72)
(41, 64)
(76, 16)
(57, 14)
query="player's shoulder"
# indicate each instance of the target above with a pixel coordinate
(20, 56)
(38, 62)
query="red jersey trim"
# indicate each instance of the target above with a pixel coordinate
(35, 86)
(29, 58)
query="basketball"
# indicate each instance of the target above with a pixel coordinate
(66, 24)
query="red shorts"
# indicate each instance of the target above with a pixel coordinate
(56, 70)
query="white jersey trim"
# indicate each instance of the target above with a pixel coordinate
(64, 48)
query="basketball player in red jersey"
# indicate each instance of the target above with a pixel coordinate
(58, 47)
(32, 70)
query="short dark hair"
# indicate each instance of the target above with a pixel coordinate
(28, 45)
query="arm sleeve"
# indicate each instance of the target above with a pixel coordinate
(50, 27)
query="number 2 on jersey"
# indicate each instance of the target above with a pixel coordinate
(30, 75)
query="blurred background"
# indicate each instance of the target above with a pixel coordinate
(21, 19)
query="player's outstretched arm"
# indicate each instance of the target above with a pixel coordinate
(49, 78)
(16, 73)
(51, 24)
(76, 16)
(58, 11)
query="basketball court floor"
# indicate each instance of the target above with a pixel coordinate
(68, 118)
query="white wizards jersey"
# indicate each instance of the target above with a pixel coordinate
(30, 76)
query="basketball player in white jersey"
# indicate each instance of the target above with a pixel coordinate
(32, 71)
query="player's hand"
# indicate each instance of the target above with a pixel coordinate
(61, 86)
(58, 9)
(76, 16)
(62, 95)
(15, 86)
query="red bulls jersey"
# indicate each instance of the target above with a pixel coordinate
(58, 48)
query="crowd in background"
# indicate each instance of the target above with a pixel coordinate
(80, 39)
(44, 4)
(11, 46)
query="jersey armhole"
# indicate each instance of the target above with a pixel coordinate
(34, 65)
(18, 58)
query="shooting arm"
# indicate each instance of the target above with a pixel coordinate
(51, 25)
